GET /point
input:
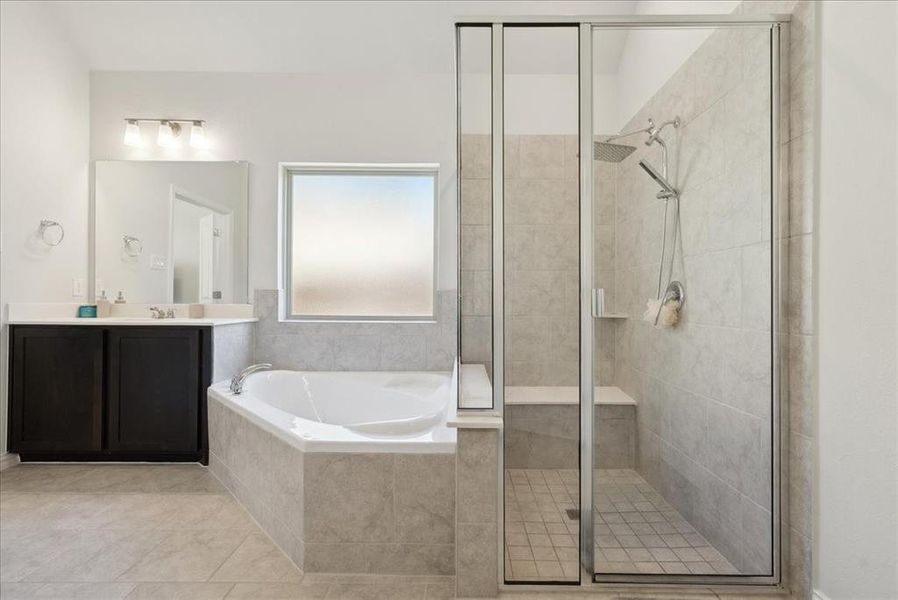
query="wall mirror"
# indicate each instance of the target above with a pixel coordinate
(170, 232)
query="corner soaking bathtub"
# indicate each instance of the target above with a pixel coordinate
(337, 464)
(397, 412)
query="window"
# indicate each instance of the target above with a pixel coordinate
(359, 241)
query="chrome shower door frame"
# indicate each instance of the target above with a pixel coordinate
(779, 127)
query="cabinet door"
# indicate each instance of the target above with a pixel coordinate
(56, 398)
(153, 386)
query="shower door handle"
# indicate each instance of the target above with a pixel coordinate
(598, 302)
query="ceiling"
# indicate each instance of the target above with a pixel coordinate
(312, 37)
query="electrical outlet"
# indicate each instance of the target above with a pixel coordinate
(158, 262)
(78, 287)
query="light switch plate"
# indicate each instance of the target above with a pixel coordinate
(78, 287)
(158, 262)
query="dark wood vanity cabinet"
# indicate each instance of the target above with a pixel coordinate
(88, 392)
(56, 389)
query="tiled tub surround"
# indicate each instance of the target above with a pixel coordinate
(341, 512)
(232, 350)
(546, 435)
(356, 346)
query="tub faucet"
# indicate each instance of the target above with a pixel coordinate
(238, 379)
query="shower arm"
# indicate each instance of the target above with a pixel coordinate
(629, 133)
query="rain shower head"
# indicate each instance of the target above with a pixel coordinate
(608, 152)
(667, 190)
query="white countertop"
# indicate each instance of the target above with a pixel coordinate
(186, 315)
(133, 321)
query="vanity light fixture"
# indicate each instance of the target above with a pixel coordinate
(132, 134)
(168, 133)
(198, 135)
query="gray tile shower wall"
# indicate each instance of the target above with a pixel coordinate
(541, 259)
(703, 388)
(547, 436)
(356, 346)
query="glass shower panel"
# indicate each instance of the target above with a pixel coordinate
(475, 216)
(684, 337)
(541, 309)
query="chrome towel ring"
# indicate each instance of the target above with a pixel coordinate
(48, 225)
(133, 245)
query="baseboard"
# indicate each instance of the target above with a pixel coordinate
(818, 595)
(8, 459)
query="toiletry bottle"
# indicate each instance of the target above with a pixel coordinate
(120, 299)
(103, 309)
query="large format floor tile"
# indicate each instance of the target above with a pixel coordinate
(154, 532)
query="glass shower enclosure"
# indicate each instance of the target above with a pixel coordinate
(619, 292)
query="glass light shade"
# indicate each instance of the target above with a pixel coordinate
(132, 134)
(198, 136)
(167, 136)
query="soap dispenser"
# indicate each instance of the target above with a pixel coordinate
(120, 299)
(103, 309)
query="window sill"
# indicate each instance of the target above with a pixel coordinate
(346, 321)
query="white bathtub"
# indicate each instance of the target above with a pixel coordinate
(399, 412)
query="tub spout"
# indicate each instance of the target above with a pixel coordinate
(238, 379)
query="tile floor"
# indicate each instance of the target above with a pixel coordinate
(158, 532)
(636, 530)
(541, 540)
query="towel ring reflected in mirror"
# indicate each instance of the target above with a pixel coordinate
(133, 245)
(48, 225)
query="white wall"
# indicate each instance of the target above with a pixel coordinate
(527, 98)
(267, 118)
(857, 473)
(651, 56)
(44, 155)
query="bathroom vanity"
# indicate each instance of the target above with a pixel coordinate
(112, 389)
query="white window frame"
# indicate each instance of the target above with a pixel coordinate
(286, 171)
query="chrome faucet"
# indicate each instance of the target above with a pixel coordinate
(158, 313)
(238, 379)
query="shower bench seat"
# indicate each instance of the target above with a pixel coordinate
(542, 427)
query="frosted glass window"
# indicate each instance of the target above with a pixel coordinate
(361, 242)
